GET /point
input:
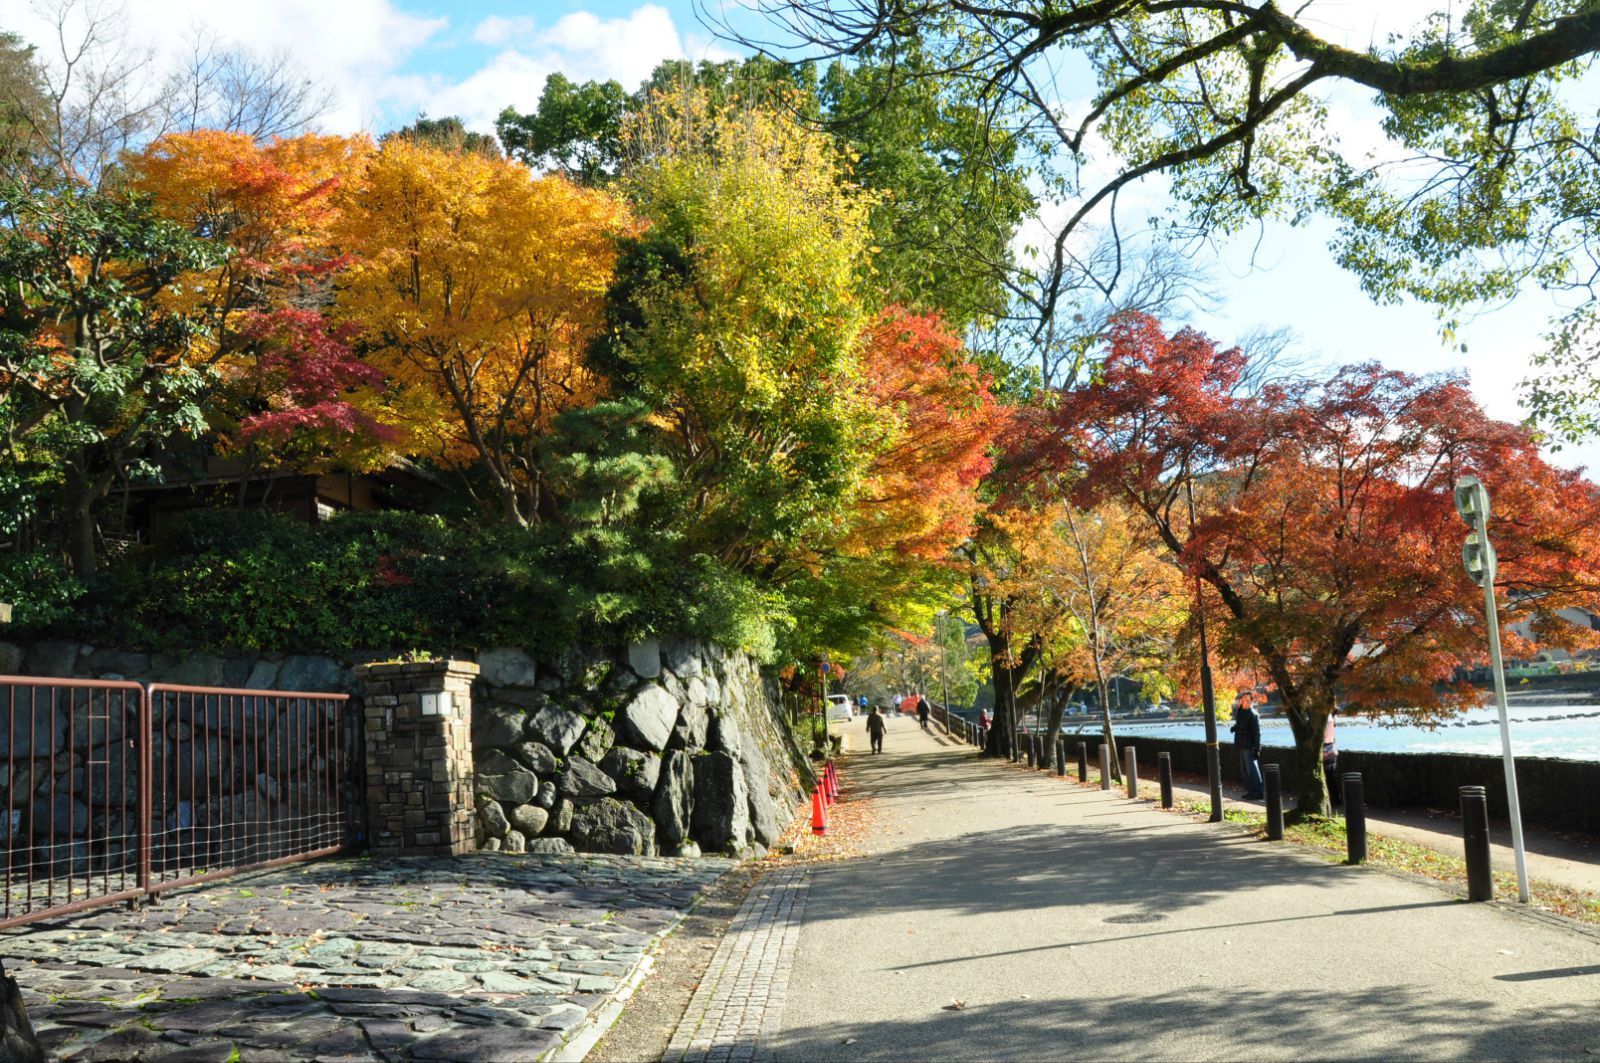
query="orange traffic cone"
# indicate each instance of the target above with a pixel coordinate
(819, 813)
(833, 780)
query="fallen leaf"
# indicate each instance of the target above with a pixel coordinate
(956, 1005)
(849, 1041)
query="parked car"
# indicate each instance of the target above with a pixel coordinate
(841, 707)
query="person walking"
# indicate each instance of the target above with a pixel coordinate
(922, 711)
(1330, 764)
(875, 729)
(1247, 739)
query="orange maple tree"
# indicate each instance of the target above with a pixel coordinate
(940, 417)
(1325, 522)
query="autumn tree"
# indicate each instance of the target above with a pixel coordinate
(1324, 519)
(477, 287)
(737, 316)
(1102, 577)
(921, 497)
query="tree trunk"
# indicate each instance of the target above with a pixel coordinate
(1308, 720)
(1053, 728)
(1000, 743)
(80, 496)
(1105, 731)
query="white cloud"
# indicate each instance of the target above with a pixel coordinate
(353, 47)
(581, 45)
(497, 30)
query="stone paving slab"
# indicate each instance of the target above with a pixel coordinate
(485, 957)
(738, 1006)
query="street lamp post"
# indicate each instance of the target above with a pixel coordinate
(1477, 554)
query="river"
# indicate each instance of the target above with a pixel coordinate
(1563, 725)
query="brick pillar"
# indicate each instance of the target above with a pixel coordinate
(419, 757)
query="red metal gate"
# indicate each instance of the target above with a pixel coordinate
(115, 791)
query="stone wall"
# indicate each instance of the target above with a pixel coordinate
(1554, 794)
(671, 748)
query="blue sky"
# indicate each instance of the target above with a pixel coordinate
(386, 60)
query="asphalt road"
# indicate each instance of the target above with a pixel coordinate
(1071, 923)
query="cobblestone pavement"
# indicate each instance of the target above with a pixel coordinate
(740, 1000)
(488, 957)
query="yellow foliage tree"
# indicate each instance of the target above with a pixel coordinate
(477, 287)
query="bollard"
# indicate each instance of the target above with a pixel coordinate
(1040, 761)
(1475, 833)
(1105, 766)
(1083, 762)
(1273, 782)
(1164, 769)
(1355, 817)
(1061, 756)
(1130, 770)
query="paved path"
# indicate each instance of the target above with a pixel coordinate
(1011, 915)
(735, 1012)
(491, 957)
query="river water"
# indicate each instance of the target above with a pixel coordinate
(1561, 725)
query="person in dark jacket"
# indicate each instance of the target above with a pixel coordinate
(1247, 739)
(875, 728)
(922, 711)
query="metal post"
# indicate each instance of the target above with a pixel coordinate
(1477, 554)
(1355, 817)
(1105, 766)
(1130, 770)
(1512, 805)
(1164, 769)
(1061, 756)
(1083, 762)
(1273, 780)
(1475, 834)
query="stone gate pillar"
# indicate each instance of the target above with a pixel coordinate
(418, 724)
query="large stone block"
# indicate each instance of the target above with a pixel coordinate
(557, 728)
(52, 657)
(583, 780)
(537, 756)
(721, 815)
(766, 820)
(529, 819)
(516, 788)
(683, 658)
(597, 741)
(612, 826)
(693, 727)
(312, 673)
(635, 773)
(725, 736)
(36, 727)
(508, 668)
(645, 658)
(673, 804)
(494, 727)
(647, 720)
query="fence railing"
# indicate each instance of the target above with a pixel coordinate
(115, 791)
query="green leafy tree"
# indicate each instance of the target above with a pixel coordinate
(449, 134)
(97, 366)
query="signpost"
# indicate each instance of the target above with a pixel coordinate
(1477, 553)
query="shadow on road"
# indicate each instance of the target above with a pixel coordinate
(1194, 1023)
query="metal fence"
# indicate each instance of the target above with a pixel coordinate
(115, 791)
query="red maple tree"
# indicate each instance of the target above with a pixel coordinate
(1324, 519)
